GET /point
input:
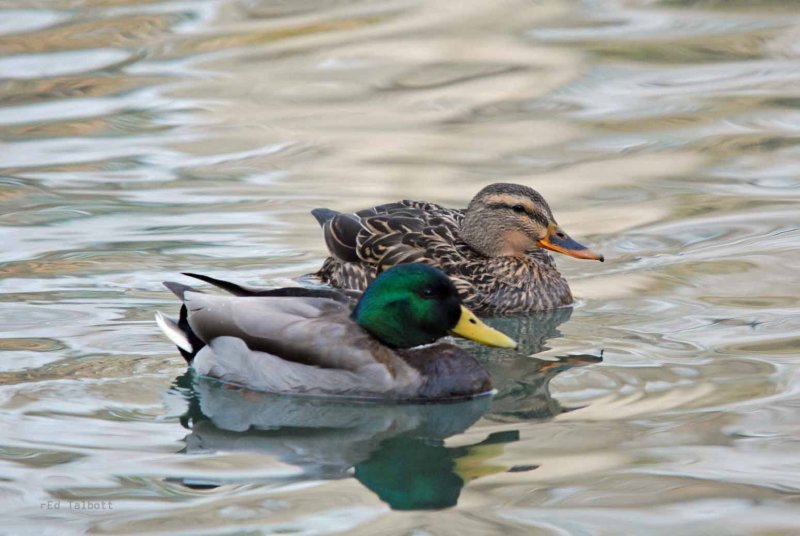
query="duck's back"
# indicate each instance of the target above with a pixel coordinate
(365, 243)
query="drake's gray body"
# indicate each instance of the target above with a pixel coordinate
(310, 345)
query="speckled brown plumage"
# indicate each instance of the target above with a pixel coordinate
(367, 242)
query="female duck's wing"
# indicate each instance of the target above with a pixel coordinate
(395, 233)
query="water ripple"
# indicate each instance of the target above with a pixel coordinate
(142, 139)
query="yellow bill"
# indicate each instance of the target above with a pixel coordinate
(473, 329)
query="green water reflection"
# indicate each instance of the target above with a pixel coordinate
(398, 451)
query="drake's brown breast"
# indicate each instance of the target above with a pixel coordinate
(448, 372)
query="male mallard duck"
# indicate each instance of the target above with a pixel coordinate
(493, 250)
(312, 342)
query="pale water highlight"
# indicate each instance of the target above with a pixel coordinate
(143, 139)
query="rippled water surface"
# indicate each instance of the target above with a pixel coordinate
(142, 139)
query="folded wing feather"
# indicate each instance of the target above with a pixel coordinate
(309, 331)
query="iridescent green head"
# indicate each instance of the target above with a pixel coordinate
(414, 304)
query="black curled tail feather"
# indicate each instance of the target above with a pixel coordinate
(194, 340)
(180, 332)
(232, 288)
(342, 296)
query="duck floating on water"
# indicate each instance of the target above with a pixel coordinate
(307, 341)
(494, 250)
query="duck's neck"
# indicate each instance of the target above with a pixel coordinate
(389, 321)
(542, 257)
(477, 237)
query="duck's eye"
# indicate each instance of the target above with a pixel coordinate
(427, 292)
(519, 209)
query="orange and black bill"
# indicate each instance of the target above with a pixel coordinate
(558, 240)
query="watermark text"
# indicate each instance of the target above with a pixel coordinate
(78, 506)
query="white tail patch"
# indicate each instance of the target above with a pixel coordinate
(173, 332)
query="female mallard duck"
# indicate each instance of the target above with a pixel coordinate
(493, 250)
(312, 342)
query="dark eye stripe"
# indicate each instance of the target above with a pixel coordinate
(536, 216)
(507, 207)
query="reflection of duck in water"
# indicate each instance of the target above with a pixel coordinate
(311, 342)
(521, 380)
(531, 332)
(524, 386)
(397, 450)
(494, 250)
(412, 473)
